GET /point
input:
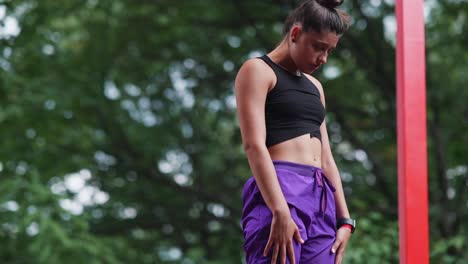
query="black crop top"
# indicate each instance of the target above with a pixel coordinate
(292, 108)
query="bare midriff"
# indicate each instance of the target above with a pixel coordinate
(302, 149)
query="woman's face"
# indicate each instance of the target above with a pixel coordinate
(310, 50)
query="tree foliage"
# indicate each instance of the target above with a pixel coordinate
(120, 144)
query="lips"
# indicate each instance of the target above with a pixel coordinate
(314, 67)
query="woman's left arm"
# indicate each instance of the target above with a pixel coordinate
(331, 171)
(328, 162)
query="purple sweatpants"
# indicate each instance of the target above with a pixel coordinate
(309, 195)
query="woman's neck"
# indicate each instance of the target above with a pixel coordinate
(280, 55)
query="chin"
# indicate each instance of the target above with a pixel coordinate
(313, 70)
(308, 70)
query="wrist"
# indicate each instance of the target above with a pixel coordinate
(350, 227)
(346, 222)
(280, 211)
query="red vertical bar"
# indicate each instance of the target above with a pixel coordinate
(412, 139)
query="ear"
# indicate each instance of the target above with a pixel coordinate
(295, 33)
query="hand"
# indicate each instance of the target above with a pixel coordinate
(342, 236)
(283, 230)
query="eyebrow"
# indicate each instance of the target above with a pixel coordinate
(325, 43)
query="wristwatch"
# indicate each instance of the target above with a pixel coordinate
(344, 221)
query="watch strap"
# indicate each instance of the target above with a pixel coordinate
(348, 221)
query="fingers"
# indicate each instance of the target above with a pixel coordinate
(334, 248)
(283, 254)
(336, 245)
(281, 242)
(339, 255)
(284, 251)
(339, 246)
(274, 258)
(342, 238)
(297, 236)
(338, 258)
(292, 257)
(267, 247)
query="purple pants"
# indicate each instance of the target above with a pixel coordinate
(310, 198)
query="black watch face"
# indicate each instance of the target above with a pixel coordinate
(349, 221)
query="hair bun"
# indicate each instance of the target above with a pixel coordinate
(330, 3)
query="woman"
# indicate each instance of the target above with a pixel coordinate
(294, 209)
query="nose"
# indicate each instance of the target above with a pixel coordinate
(323, 58)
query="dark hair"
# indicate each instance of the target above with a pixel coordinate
(318, 15)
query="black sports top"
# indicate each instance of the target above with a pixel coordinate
(292, 108)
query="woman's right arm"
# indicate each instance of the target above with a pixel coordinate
(251, 87)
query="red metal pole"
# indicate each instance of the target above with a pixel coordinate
(412, 139)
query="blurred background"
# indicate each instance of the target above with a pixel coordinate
(119, 141)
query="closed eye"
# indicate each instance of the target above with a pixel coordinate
(319, 48)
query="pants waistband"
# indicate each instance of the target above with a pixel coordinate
(299, 168)
(312, 171)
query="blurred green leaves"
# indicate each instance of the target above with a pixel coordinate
(139, 94)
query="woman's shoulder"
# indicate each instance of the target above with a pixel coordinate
(258, 70)
(319, 87)
(256, 65)
(315, 82)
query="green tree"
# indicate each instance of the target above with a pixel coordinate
(120, 144)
